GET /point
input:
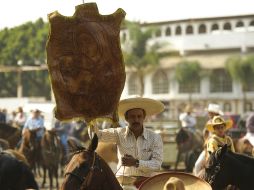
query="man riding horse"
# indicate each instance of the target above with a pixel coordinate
(140, 150)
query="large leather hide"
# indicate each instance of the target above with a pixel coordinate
(85, 62)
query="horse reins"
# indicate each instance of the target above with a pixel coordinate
(86, 180)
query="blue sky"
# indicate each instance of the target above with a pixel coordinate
(16, 12)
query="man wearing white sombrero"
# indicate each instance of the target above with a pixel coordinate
(139, 150)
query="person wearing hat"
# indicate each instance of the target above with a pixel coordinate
(20, 118)
(218, 126)
(212, 111)
(175, 181)
(187, 120)
(139, 150)
(35, 123)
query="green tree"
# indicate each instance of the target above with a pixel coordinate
(26, 42)
(241, 69)
(188, 73)
(139, 56)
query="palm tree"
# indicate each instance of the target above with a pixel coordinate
(188, 73)
(242, 69)
(140, 56)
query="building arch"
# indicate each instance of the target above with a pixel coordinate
(220, 81)
(189, 29)
(202, 29)
(160, 83)
(168, 31)
(227, 26)
(178, 30)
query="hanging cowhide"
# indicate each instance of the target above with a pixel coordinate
(85, 62)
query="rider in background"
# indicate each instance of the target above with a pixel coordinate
(187, 120)
(218, 126)
(212, 111)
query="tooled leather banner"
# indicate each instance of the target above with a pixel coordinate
(85, 62)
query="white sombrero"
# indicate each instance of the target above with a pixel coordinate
(218, 120)
(189, 181)
(150, 106)
(215, 108)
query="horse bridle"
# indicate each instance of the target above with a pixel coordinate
(88, 174)
(216, 171)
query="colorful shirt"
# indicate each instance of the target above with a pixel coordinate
(147, 148)
(215, 142)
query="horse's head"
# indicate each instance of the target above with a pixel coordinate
(87, 170)
(214, 174)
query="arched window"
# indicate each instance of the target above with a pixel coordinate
(193, 88)
(189, 29)
(202, 29)
(227, 26)
(252, 23)
(168, 31)
(251, 26)
(220, 81)
(215, 28)
(239, 27)
(160, 83)
(133, 84)
(178, 30)
(239, 24)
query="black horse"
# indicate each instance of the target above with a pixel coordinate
(227, 168)
(190, 145)
(14, 174)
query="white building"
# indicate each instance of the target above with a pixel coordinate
(210, 41)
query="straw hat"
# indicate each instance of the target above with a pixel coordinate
(150, 106)
(214, 108)
(188, 108)
(218, 120)
(175, 179)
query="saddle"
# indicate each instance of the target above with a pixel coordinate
(85, 62)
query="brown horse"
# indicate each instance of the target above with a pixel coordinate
(10, 133)
(51, 154)
(243, 146)
(30, 148)
(15, 174)
(87, 170)
(189, 144)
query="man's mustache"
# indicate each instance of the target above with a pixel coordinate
(136, 123)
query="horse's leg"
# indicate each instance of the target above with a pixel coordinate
(50, 171)
(44, 176)
(177, 159)
(56, 176)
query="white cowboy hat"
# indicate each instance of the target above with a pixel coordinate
(190, 182)
(150, 106)
(215, 108)
(218, 120)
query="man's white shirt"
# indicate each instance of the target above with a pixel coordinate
(147, 148)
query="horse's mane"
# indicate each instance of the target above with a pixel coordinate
(241, 157)
(16, 154)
